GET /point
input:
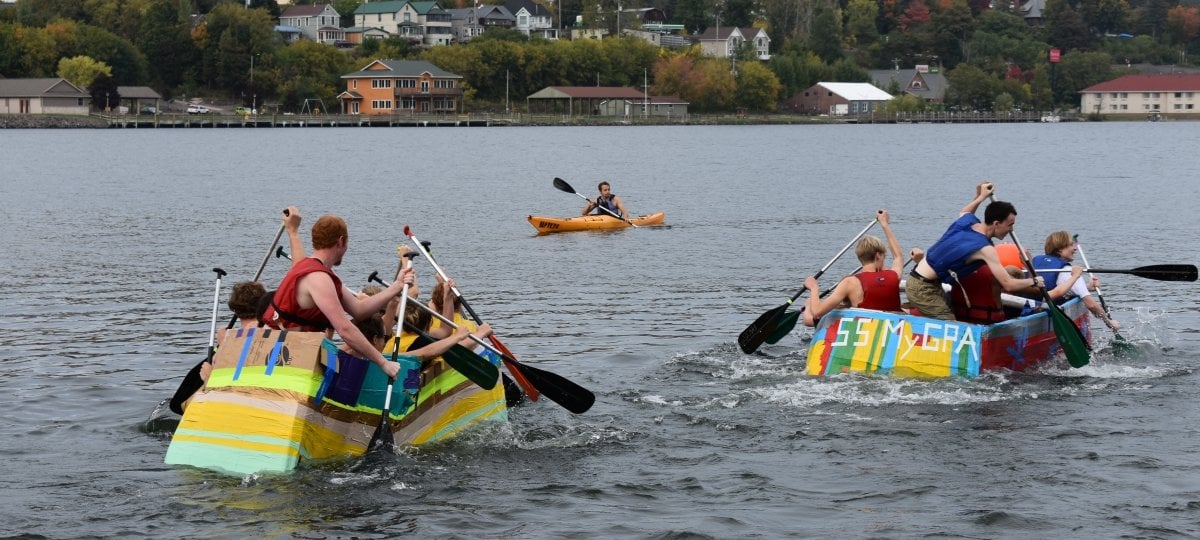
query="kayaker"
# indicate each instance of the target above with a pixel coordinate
(606, 203)
(311, 297)
(964, 247)
(876, 287)
(1060, 251)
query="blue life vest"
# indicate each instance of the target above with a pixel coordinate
(950, 252)
(1049, 262)
(609, 204)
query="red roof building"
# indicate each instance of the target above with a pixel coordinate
(1146, 95)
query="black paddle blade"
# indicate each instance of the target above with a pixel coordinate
(562, 185)
(571, 396)
(382, 438)
(1165, 272)
(762, 328)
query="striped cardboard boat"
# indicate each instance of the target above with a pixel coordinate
(867, 341)
(276, 398)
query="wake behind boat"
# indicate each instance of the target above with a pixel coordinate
(547, 225)
(868, 341)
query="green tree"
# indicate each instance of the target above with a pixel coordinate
(860, 25)
(1065, 27)
(1079, 70)
(1003, 103)
(757, 87)
(1112, 16)
(826, 38)
(82, 70)
(167, 44)
(971, 88)
(953, 26)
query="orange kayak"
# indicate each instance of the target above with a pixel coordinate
(546, 225)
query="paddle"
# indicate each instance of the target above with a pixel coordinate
(1160, 272)
(789, 320)
(212, 331)
(383, 432)
(559, 389)
(1119, 343)
(562, 185)
(1069, 337)
(767, 324)
(267, 257)
(472, 366)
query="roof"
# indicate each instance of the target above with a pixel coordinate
(856, 91)
(39, 87)
(587, 92)
(1148, 83)
(424, 8)
(1033, 9)
(304, 11)
(935, 83)
(138, 92)
(388, 6)
(720, 33)
(531, 7)
(400, 68)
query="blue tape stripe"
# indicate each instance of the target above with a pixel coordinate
(237, 372)
(275, 352)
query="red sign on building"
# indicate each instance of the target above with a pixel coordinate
(1055, 54)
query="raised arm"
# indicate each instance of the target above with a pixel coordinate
(291, 223)
(893, 244)
(982, 192)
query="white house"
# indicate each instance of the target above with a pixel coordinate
(311, 20)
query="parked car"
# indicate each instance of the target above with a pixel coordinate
(197, 109)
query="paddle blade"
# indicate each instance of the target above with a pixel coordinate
(559, 389)
(514, 367)
(1166, 272)
(786, 324)
(382, 438)
(472, 366)
(762, 328)
(1069, 337)
(562, 185)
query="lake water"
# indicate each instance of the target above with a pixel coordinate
(107, 288)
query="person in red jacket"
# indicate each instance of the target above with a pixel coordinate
(877, 286)
(311, 298)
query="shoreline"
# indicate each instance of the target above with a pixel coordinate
(38, 121)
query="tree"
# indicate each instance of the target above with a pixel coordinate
(1183, 24)
(826, 39)
(952, 30)
(82, 70)
(757, 87)
(860, 25)
(1111, 16)
(104, 93)
(971, 88)
(1065, 27)
(1079, 70)
(169, 49)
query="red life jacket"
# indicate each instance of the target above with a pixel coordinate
(285, 311)
(974, 297)
(881, 290)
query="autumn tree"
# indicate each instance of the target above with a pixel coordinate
(82, 70)
(757, 87)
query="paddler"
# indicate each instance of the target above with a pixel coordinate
(1060, 251)
(964, 247)
(606, 203)
(877, 286)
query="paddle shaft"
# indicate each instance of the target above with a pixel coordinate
(383, 431)
(509, 359)
(836, 257)
(263, 264)
(375, 277)
(1099, 295)
(212, 331)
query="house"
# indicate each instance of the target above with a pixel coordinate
(602, 101)
(318, 22)
(1032, 10)
(43, 96)
(467, 23)
(922, 81)
(533, 19)
(401, 87)
(1143, 95)
(423, 22)
(356, 35)
(721, 42)
(289, 34)
(839, 98)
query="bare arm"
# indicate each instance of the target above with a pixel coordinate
(815, 307)
(439, 347)
(1064, 285)
(1010, 284)
(319, 286)
(982, 192)
(292, 224)
(365, 307)
(893, 244)
(621, 207)
(590, 205)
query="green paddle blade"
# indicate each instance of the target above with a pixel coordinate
(472, 366)
(762, 327)
(1069, 337)
(786, 324)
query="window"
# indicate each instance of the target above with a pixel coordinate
(407, 17)
(1113, 95)
(1189, 106)
(424, 87)
(1124, 107)
(522, 21)
(406, 103)
(354, 108)
(1178, 106)
(1155, 106)
(1145, 95)
(381, 83)
(1124, 95)
(379, 104)
(1154, 95)
(1178, 94)
(444, 84)
(406, 83)
(1113, 106)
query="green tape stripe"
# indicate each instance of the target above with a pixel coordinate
(300, 380)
